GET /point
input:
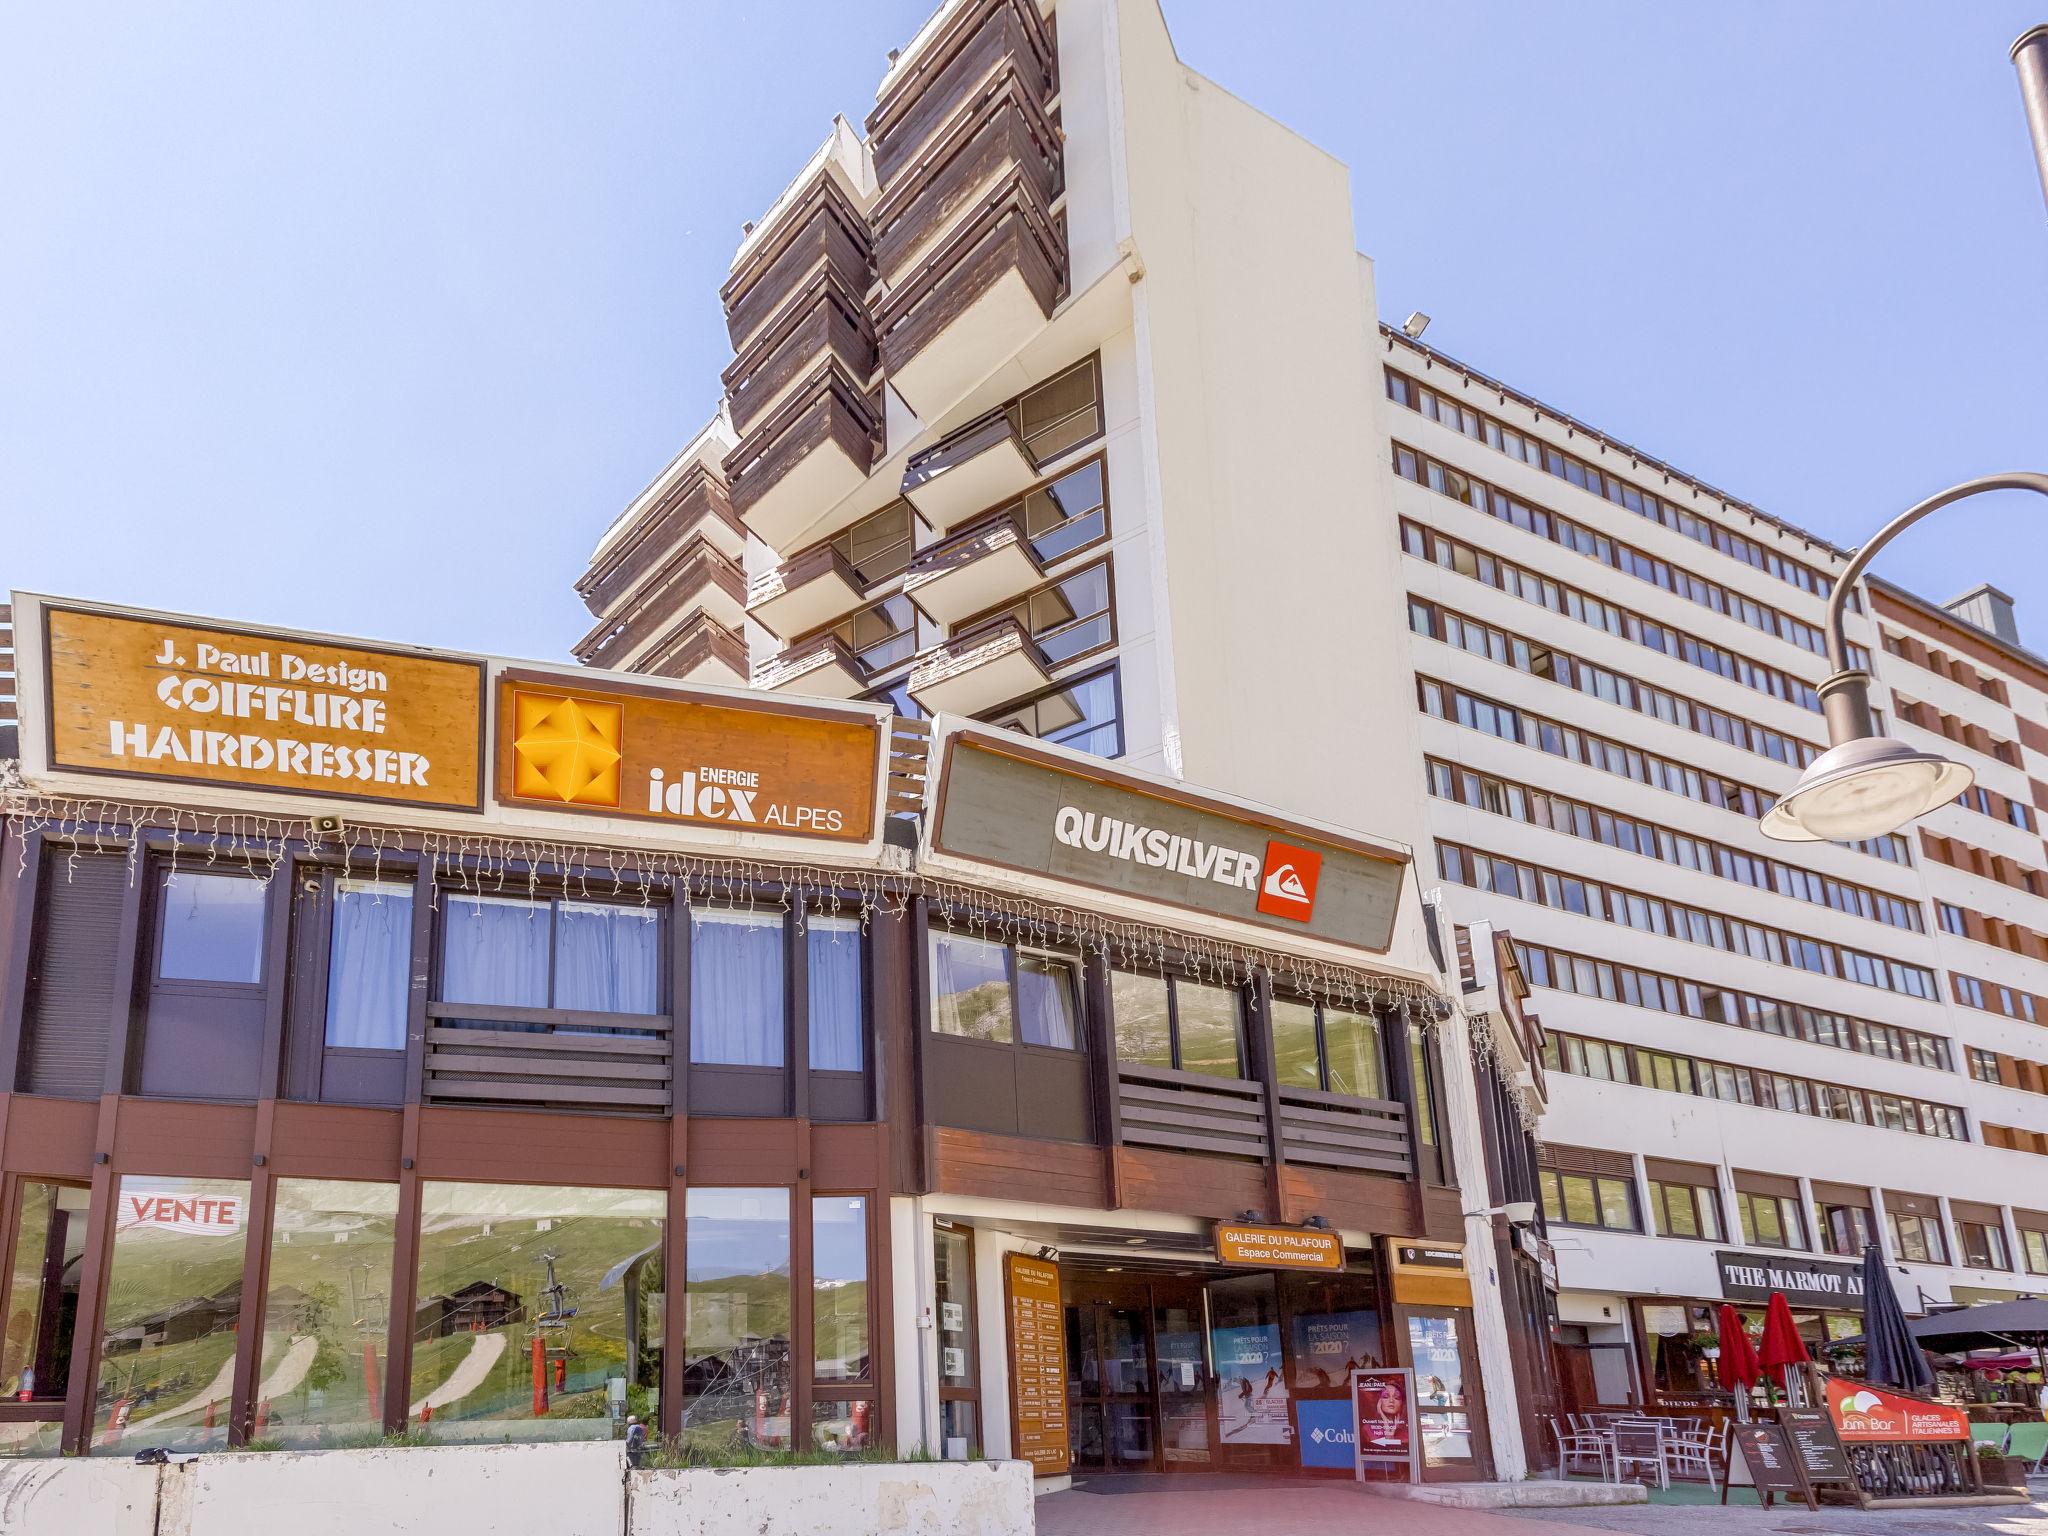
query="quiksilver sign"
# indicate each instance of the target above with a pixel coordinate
(1012, 806)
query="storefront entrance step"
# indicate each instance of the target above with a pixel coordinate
(1536, 1493)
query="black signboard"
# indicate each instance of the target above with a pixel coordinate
(1768, 1455)
(1818, 1445)
(1426, 1257)
(1805, 1282)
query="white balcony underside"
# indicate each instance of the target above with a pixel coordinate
(988, 331)
(975, 684)
(967, 489)
(961, 591)
(822, 600)
(824, 678)
(825, 477)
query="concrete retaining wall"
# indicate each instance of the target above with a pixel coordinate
(505, 1490)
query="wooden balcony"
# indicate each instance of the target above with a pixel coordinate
(822, 667)
(1191, 1112)
(982, 465)
(814, 449)
(823, 319)
(694, 506)
(481, 1053)
(925, 90)
(984, 292)
(819, 227)
(977, 569)
(699, 577)
(1330, 1130)
(986, 667)
(999, 131)
(698, 649)
(816, 588)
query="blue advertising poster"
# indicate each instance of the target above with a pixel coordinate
(1326, 1432)
(1328, 1347)
(1251, 1393)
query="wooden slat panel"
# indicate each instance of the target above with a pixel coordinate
(489, 1063)
(1325, 1157)
(608, 1045)
(563, 1093)
(559, 1018)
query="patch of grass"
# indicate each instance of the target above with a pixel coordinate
(261, 1445)
(675, 1455)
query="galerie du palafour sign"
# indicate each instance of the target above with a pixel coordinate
(1807, 1282)
(141, 695)
(1015, 806)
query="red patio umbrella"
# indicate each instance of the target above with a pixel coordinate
(1739, 1367)
(1782, 1347)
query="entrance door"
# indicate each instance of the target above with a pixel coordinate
(1110, 1394)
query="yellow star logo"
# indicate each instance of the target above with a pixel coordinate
(565, 749)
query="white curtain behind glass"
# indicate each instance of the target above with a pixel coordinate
(833, 947)
(1045, 1001)
(494, 949)
(736, 994)
(607, 958)
(367, 965)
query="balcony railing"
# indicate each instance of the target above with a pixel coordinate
(822, 227)
(982, 465)
(699, 577)
(823, 667)
(1001, 130)
(815, 588)
(823, 318)
(973, 571)
(695, 507)
(979, 39)
(986, 667)
(698, 649)
(484, 1053)
(821, 443)
(1190, 1112)
(1330, 1130)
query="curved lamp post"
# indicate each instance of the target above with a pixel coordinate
(1866, 785)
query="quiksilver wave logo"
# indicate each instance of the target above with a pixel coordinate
(1289, 889)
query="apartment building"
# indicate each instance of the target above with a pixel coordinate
(1761, 1055)
(1010, 361)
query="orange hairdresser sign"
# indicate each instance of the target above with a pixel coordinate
(1038, 1364)
(1864, 1412)
(788, 770)
(153, 697)
(1278, 1247)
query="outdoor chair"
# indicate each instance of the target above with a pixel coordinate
(2029, 1442)
(1640, 1443)
(1576, 1444)
(1693, 1451)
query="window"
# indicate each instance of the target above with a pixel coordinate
(43, 1271)
(1982, 1245)
(325, 1311)
(369, 965)
(1432, 1156)
(1917, 1239)
(736, 1353)
(959, 1394)
(212, 929)
(1066, 619)
(879, 546)
(1846, 1230)
(1330, 1049)
(1082, 713)
(839, 1288)
(835, 990)
(174, 1297)
(1770, 1221)
(1177, 1024)
(1589, 1200)
(1004, 994)
(1951, 918)
(2035, 1246)
(1983, 1064)
(1686, 1210)
(550, 955)
(1066, 514)
(882, 635)
(1062, 413)
(737, 1003)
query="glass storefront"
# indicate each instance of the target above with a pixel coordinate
(1441, 1405)
(736, 1363)
(326, 1313)
(42, 1291)
(174, 1296)
(538, 1314)
(959, 1404)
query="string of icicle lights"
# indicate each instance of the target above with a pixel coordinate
(492, 864)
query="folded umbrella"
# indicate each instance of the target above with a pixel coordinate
(1782, 1348)
(1892, 1356)
(1738, 1363)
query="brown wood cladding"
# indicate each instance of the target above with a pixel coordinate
(819, 227)
(696, 495)
(829, 407)
(1766, 1184)
(1668, 1170)
(1841, 1194)
(696, 638)
(824, 316)
(1018, 1167)
(1585, 1160)
(1350, 1200)
(1007, 234)
(51, 1137)
(1001, 130)
(698, 565)
(200, 1141)
(333, 1141)
(1187, 1185)
(983, 36)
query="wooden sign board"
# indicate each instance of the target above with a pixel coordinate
(1427, 1274)
(1761, 1457)
(138, 696)
(1038, 1364)
(1279, 1247)
(1817, 1444)
(700, 760)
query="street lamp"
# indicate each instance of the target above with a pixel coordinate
(2030, 58)
(1866, 785)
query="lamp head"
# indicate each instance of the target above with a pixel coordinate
(1866, 787)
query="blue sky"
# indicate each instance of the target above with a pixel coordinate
(370, 317)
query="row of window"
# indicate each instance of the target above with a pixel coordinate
(1989, 802)
(1615, 982)
(1447, 701)
(2007, 1071)
(2012, 1002)
(1965, 733)
(1610, 1061)
(1575, 818)
(1576, 471)
(1436, 622)
(1671, 919)
(1911, 648)
(1983, 863)
(1609, 618)
(1066, 619)
(1084, 712)
(2014, 1139)
(1998, 932)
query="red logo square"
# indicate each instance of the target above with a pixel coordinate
(1287, 884)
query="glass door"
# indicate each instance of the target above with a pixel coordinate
(1109, 1386)
(1186, 1431)
(1438, 1347)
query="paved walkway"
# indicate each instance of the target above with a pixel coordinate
(1327, 1509)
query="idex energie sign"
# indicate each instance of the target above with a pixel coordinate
(1030, 811)
(656, 754)
(164, 698)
